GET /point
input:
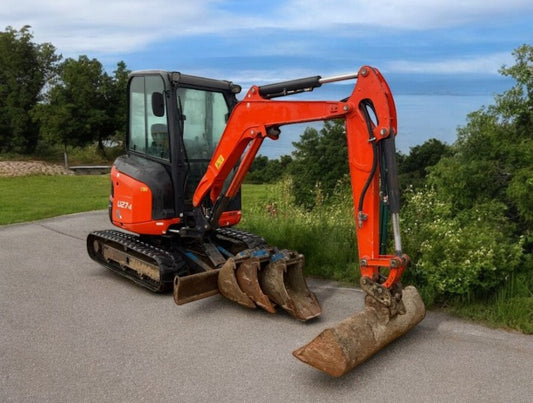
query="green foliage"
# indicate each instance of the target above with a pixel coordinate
(86, 106)
(467, 254)
(325, 235)
(42, 99)
(265, 170)
(26, 68)
(511, 306)
(413, 168)
(320, 161)
(468, 230)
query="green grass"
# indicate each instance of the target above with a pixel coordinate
(29, 198)
(510, 307)
(326, 236)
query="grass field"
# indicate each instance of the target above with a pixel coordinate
(28, 198)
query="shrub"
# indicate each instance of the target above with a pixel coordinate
(467, 254)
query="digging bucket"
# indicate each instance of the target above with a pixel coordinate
(339, 349)
(229, 287)
(284, 283)
(195, 287)
(247, 274)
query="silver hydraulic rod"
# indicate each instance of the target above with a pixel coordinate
(341, 77)
(396, 233)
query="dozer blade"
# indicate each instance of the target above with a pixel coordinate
(339, 349)
(229, 287)
(283, 281)
(195, 286)
(247, 278)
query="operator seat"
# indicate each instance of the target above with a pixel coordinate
(160, 146)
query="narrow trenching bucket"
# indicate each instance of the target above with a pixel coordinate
(341, 348)
(284, 283)
(195, 287)
(229, 287)
(247, 277)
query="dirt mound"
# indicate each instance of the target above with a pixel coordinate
(25, 168)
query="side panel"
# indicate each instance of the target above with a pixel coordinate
(142, 196)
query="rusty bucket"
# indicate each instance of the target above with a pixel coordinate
(339, 349)
(284, 283)
(259, 278)
(229, 286)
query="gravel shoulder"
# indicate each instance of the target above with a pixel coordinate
(27, 168)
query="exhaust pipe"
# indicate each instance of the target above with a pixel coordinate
(339, 349)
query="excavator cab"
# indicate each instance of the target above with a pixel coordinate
(175, 123)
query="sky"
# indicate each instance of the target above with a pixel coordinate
(425, 48)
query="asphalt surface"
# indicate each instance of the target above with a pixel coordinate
(72, 331)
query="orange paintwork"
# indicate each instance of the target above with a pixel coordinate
(254, 116)
(132, 206)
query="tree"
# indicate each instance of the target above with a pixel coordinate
(265, 170)
(413, 168)
(118, 101)
(86, 105)
(320, 162)
(493, 158)
(26, 69)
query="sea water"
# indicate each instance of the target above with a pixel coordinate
(420, 118)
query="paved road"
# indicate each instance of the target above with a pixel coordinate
(71, 331)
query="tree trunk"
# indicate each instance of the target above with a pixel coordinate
(65, 155)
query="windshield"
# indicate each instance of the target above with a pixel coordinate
(205, 115)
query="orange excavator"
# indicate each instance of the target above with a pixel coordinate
(177, 193)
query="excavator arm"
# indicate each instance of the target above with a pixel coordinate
(371, 126)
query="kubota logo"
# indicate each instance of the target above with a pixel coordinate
(124, 204)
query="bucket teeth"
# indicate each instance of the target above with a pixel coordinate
(264, 279)
(283, 281)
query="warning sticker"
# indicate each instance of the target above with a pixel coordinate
(219, 161)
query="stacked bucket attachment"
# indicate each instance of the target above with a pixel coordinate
(263, 278)
(341, 348)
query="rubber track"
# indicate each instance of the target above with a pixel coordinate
(248, 239)
(150, 253)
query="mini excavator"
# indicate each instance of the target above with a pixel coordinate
(176, 196)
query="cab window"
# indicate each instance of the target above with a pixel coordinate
(205, 114)
(148, 133)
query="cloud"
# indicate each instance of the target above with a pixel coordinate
(486, 64)
(105, 26)
(120, 26)
(399, 14)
